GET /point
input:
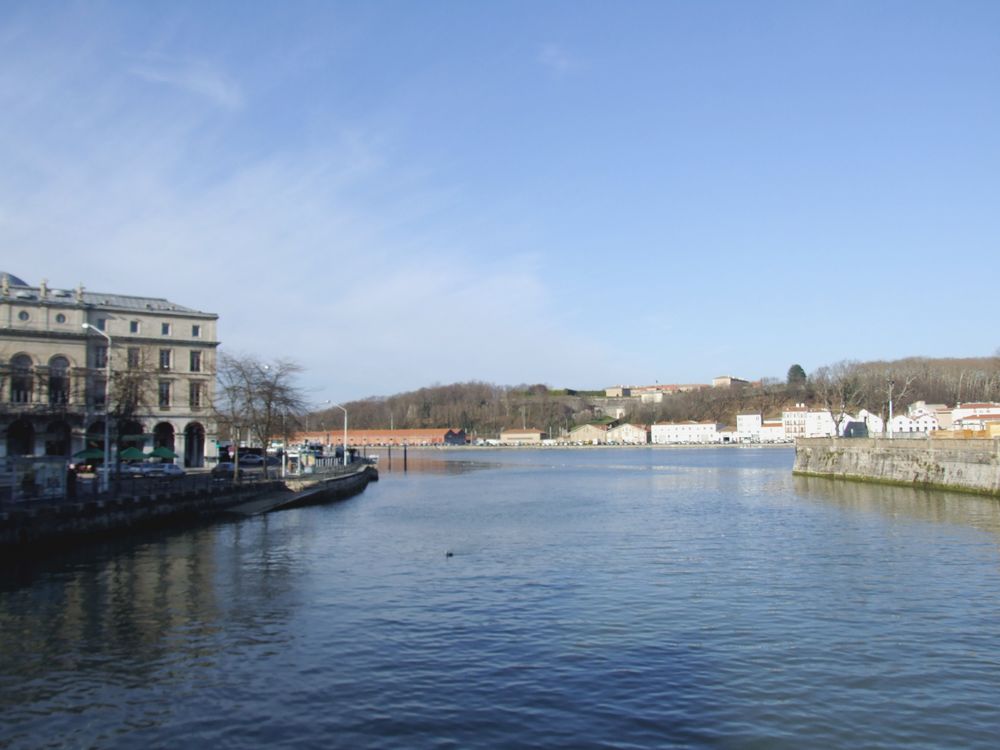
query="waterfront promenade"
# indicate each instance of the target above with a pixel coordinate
(139, 503)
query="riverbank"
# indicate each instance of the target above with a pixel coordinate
(958, 465)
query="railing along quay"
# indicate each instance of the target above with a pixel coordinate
(38, 518)
(124, 487)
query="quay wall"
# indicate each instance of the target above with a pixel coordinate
(55, 523)
(961, 465)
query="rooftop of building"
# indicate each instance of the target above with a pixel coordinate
(14, 288)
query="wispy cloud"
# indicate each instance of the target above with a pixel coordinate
(280, 244)
(557, 60)
(198, 78)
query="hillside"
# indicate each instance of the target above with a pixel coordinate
(485, 408)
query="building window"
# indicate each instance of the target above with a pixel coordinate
(195, 361)
(164, 394)
(102, 324)
(133, 358)
(60, 318)
(101, 356)
(21, 379)
(133, 326)
(196, 331)
(196, 396)
(165, 329)
(58, 380)
(23, 315)
(98, 392)
(165, 359)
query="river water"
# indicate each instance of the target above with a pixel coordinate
(629, 598)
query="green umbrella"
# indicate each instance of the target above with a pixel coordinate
(88, 453)
(162, 452)
(131, 454)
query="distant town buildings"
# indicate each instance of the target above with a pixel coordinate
(651, 394)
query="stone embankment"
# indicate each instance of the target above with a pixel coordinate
(32, 526)
(961, 465)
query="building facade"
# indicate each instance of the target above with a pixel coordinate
(672, 433)
(591, 434)
(521, 437)
(748, 427)
(773, 431)
(57, 347)
(629, 434)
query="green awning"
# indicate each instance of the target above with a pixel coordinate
(131, 454)
(162, 452)
(88, 453)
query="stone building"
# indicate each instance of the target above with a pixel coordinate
(514, 436)
(589, 434)
(162, 360)
(629, 434)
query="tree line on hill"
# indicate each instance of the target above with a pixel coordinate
(485, 409)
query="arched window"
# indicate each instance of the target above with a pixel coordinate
(21, 379)
(58, 380)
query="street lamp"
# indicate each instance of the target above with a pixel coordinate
(107, 408)
(345, 429)
(891, 384)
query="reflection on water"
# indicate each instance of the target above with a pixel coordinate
(426, 461)
(934, 506)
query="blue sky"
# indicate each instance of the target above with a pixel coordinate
(577, 193)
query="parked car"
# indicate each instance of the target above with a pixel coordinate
(251, 459)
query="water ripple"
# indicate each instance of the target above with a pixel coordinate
(626, 599)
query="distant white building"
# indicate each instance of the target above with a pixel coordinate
(672, 433)
(748, 427)
(874, 423)
(918, 408)
(820, 424)
(980, 422)
(793, 420)
(962, 411)
(801, 421)
(902, 424)
(772, 431)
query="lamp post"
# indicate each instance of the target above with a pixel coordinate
(107, 408)
(345, 429)
(891, 384)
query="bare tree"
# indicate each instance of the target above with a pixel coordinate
(840, 388)
(258, 396)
